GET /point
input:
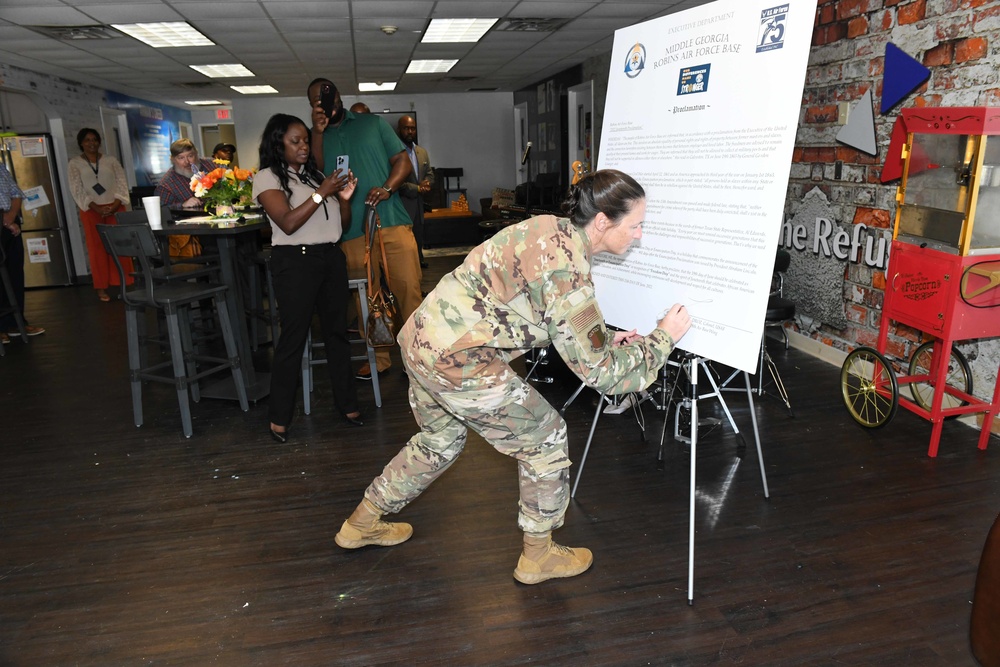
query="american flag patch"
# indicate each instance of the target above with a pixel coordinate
(586, 318)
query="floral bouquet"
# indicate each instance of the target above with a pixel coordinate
(222, 188)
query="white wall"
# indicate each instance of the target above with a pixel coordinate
(474, 131)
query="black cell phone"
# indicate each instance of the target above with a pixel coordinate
(327, 98)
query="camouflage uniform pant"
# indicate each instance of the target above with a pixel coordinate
(510, 415)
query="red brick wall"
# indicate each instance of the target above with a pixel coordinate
(959, 41)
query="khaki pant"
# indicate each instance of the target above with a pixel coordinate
(509, 414)
(404, 273)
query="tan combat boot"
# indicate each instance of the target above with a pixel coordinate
(543, 559)
(365, 527)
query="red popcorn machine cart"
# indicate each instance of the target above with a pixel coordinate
(943, 276)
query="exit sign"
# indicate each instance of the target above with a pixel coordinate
(222, 114)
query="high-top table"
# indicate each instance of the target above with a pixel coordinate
(228, 237)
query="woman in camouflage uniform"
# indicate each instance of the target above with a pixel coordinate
(527, 287)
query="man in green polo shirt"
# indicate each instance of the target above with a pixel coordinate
(379, 161)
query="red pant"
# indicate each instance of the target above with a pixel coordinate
(102, 266)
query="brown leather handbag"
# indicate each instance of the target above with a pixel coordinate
(380, 328)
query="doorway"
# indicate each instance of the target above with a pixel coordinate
(520, 140)
(580, 135)
(116, 141)
(212, 135)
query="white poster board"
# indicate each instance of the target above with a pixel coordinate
(702, 110)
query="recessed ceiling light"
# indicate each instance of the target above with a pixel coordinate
(222, 71)
(253, 90)
(202, 103)
(371, 86)
(429, 66)
(457, 30)
(164, 35)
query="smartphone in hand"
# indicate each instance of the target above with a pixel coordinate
(327, 99)
(343, 164)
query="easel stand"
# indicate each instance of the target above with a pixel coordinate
(688, 365)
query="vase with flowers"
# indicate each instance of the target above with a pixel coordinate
(223, 188)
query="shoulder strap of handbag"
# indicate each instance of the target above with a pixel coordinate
(373, 230)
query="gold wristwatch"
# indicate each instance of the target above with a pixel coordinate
(317, 197)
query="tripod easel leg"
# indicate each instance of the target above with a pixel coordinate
(693, 373)
(692, 366)
(590, 438)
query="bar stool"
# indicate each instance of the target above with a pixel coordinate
(309, 359)
(256, 309)
(175, 299)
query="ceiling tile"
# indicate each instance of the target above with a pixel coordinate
(382, 9)
(323, 9)
(128, 12)
(43, 15)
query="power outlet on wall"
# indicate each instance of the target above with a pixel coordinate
(843, 112)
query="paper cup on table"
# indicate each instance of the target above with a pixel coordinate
(152, 206)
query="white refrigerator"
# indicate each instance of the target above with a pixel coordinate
(30, 159)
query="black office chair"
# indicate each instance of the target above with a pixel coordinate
(13, 307)
(175, 299)
(779, 311)
(136, 194)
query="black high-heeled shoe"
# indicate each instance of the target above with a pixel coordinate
(279, 436)
(355, 421)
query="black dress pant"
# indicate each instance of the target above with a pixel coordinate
(310, 279)
(13, 247)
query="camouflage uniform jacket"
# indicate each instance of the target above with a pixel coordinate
(526, 287)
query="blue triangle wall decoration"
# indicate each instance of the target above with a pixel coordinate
(901, 75)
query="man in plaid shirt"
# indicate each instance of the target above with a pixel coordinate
(174, 189)
(13, 249)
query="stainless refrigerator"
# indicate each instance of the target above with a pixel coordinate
(30, 159)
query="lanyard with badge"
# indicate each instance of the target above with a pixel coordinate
(96, 167)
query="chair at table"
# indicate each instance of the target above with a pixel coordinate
(14, 308)
(309, 358)
(174, 270)
(779, 311)
(175, 299)
(256, 310)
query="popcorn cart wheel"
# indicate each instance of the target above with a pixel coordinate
(959, 376)
(869, 387)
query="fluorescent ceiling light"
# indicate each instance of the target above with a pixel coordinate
(202, 103)
(371, 87)
(164, 35)
(222, 71)
(429, 66)
(457, 30)
(253, 90)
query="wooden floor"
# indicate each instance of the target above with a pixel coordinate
(126, 546)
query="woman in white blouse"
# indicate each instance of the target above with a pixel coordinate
(307, 213)
(100, 190)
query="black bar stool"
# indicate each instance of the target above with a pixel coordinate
(175, 299)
